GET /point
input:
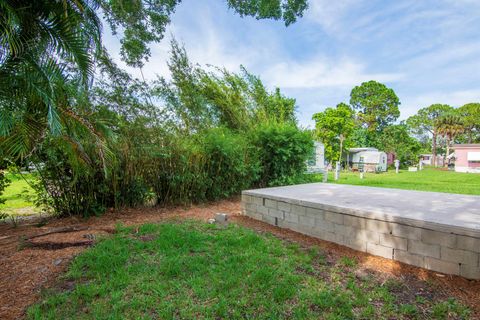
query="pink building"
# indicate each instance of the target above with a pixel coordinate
(390, 158)
(467, 157)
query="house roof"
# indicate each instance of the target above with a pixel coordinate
(362, 149)
(467, 146)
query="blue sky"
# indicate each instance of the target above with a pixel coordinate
(427, 51)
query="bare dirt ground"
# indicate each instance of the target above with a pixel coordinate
(28, 265)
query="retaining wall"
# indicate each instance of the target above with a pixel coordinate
(437, 250)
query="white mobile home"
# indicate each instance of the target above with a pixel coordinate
(367, 159)
(427, 160)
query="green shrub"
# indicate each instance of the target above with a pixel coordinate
(210, 165)
(4, 182)
(283, 150)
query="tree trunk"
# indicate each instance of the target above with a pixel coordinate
(341, 149)
(448, 152)
(434, 149)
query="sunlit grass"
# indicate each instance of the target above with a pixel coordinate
(192, 270)
(18, 194)
(428, 179)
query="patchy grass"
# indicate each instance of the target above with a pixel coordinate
(428, 179)
(192, 270)
(18, 194)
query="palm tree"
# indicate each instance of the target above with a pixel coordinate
(449, 126)
(47, 52)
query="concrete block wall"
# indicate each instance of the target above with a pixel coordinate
(435, 250)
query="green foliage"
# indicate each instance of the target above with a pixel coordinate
(425, 122)
(470, 115)
(333, 127)
(4, 182)
(396, 139)
(426, 118)
(198, 99)
(209, 165)
(283, 151)
(377, 105)
(209, 140)
(46, 52)
(449, 126)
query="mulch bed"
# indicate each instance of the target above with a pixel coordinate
(30, 263)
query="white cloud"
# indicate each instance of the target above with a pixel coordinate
(323, 72)
(453, 98)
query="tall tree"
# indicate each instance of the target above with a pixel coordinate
(426, 122)
(470, 114)
(47, 52)
(377, 105)
(449, 126)
(397, 139)
(333, 127)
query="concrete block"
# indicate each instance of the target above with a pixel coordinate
(355, 244)
(354, 221)
(299, 210)
(459, 256)
(255, 215)
(263, 210)
(470, 272)
(436, 237)
(250, 207)
(378, 226)
(442, 266)
(324, 225)
(269, 203)
(284, 206)
(428, 250)
(342, 229)
(408, 258)
(303, 229)
(394, 242)
(334, 217)
(291, 217)
(247, 198)
(275, 213)
(257, 200)
(268, 219)
(306, 221)
(379, 250)
(468, 243)
(315, 213)
(221, 217)
(332, 237)
(365, 235)
(287, 225)
(403, 231)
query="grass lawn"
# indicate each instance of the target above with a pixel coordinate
(17, 194)
(192, 270)
(426, 180)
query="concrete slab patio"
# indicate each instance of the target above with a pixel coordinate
(436, 231)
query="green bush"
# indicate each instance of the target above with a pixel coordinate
(283, 150)
(4, 182)
(210, 165)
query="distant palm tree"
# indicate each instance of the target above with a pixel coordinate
(450, 126)
(47, 52)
